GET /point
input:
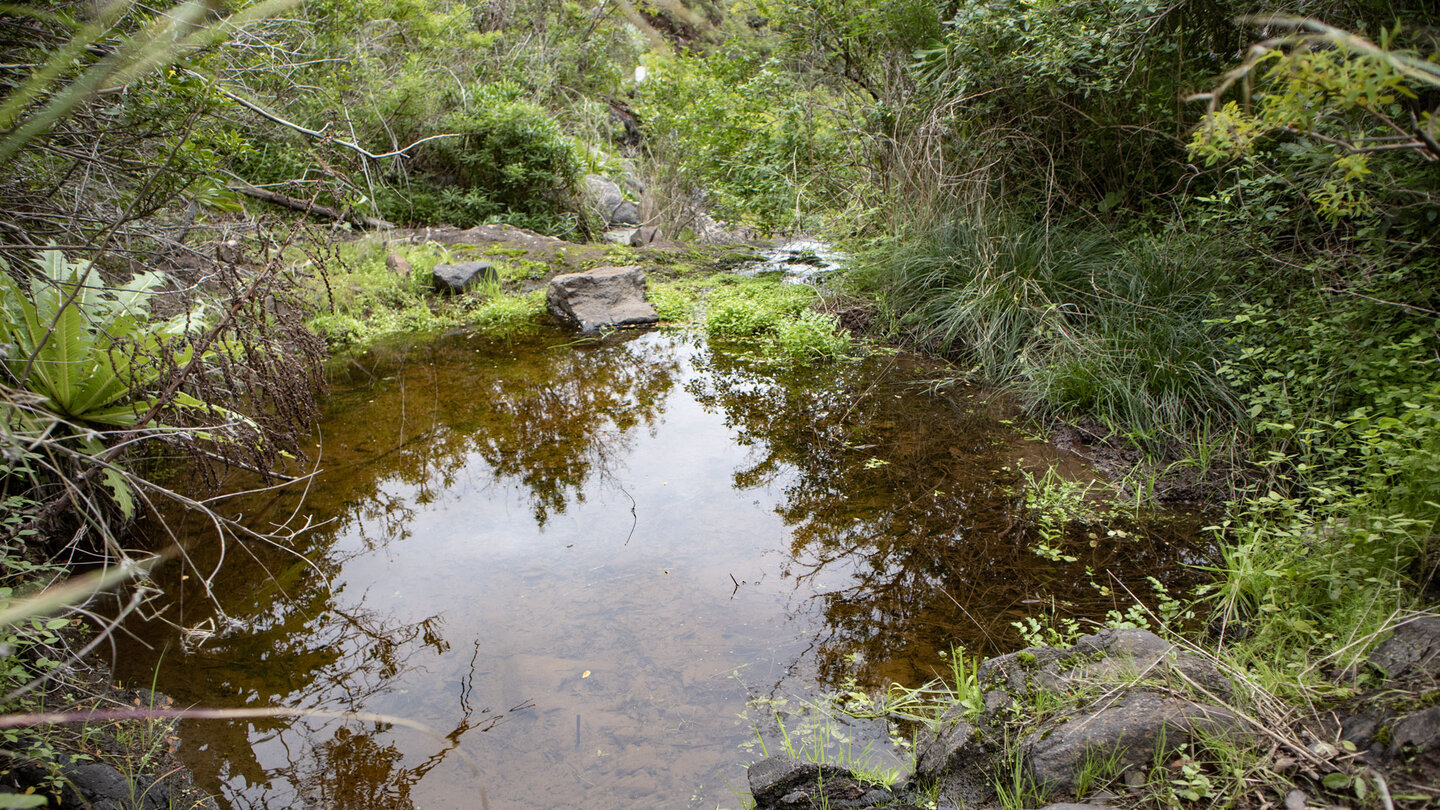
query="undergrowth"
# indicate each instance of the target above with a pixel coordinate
(363, 298)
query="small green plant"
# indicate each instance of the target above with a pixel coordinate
(507, 316)
(1054, 503)
(1014, 783)
(94, 357)
(1099, 770)
(813, 335)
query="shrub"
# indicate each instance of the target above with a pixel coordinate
(751, 307)
(512, 163)
(813, 335)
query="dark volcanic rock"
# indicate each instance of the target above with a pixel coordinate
(1417, 732)
(456, 278)
(1135, 725)
(626, 213)
(1412, 653)
(785, 783)
(960, 758)
(606, 296)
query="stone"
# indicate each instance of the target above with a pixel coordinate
(607, 200)
(397, 264)
(626, 213)
(959, 758)
(1121, 654)
(456, 278)
(605, 296)
(1418, 732)
(1017, 672)
(1295, 800)
(97, 785)
(1132, 725)
(1412, 653)
(644, 236)
(786, 783)
(1359, 729)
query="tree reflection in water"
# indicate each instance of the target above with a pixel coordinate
(544, 420)
(906, 516)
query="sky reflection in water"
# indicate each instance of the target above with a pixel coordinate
(577, 563)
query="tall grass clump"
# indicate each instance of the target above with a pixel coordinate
(1077, 321)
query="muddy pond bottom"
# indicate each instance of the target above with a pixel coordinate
(594, 571)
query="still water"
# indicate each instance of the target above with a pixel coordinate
(580, 564)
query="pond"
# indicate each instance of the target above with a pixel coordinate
(583, 563)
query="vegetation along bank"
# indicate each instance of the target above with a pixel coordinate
(1195, 241)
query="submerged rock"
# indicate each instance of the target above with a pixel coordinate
(605, 296)
(456, 278)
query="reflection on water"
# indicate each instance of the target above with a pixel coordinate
(576, 562)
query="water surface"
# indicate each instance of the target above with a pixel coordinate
(579, 562)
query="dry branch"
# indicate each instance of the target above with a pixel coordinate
(310, 207)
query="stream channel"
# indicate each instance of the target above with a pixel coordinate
(600, 571)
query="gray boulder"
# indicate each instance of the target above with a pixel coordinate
(644, 236)
(964, 753)
(607, 200)
(1134, 725)
(605, 296)
(626, 213)
(457, 278)
(1412, 653)
(1417, 733)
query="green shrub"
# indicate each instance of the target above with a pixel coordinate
(512, 164)
(813, 335)
(745, 136)
(750, 307)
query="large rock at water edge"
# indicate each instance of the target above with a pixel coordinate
(1134, 726)
(457, 278)
(605, 296)
(786, 783)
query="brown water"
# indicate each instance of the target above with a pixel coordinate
(578, 563)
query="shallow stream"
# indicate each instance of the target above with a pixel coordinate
(590, 567)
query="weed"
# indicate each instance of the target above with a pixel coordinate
(1054, 503)
(752, 307)
(1014, 784)
(1099, 770)
(813, 335)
